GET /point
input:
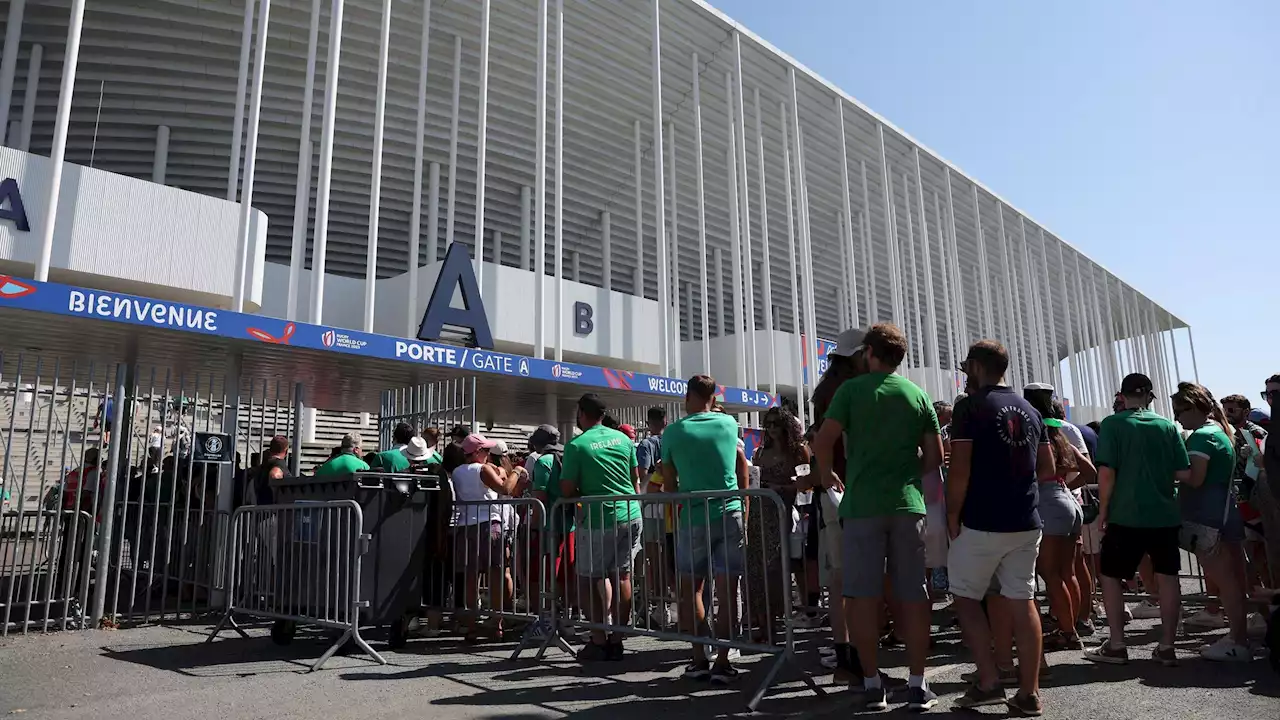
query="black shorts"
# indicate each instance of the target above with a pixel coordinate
(1123, 548)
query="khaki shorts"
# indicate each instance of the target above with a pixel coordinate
(829, 545)
(977, 556)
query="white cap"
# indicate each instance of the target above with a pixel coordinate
(848, 343)
(1038, 386)
(499, 448)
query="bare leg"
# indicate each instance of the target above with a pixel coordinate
(1084, 575)
(977, 635)
(1026, 628)
(727, 619)
(624, 601)
(1049, 565)
(914, 625)
(1219, 565)
(1211, 588)
(862, 620)
(1170, 608)
(692, 614)
(1001, 624)
(1150, 582)
(1113, 603)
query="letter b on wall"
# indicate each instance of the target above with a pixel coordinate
(582, 322)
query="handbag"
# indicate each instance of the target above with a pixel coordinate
(1090, 506)
(1197, 537)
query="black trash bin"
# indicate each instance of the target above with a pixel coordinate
(395, 509)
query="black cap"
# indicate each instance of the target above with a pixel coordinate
(1136, 385)
(545, 435)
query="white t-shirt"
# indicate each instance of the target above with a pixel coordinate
(1076, 438)
(468, 487)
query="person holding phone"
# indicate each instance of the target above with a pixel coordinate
(781, 452)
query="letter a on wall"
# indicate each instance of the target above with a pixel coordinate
(15, 212)
(456, 273)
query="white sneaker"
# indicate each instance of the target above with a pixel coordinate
(1226, 650)
(1145, 610)
(829, 662)
(1207, 620)
(1256, 626)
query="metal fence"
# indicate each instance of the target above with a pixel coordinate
(442, 405)
(298, 564)
(113, 442)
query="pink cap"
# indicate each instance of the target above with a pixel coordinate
(475, 442)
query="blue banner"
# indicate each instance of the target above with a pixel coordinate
(113, 307)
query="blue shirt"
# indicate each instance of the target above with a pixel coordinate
(1090, 439)
(1005, 432)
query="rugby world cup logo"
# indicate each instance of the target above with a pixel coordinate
(328, 337)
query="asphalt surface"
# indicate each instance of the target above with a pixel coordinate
(168, 673)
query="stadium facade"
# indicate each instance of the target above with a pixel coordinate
(623, 156)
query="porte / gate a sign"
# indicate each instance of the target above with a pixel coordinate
(456, 273)
(11, 207)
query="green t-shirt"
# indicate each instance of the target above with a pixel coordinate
(1208, 503)
(601, 461)
(344, 463)
(703, 449)
(392, 461)
(884, 417)
(546, 479)
(1145, 450)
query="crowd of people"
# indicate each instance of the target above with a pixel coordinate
(897, 504)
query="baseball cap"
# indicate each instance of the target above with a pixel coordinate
(1136, 385)
(1259, 416)
(543, 436)
(475, 442)
(628, 431)
(1030, 387)
(848, 343)
(499, 448)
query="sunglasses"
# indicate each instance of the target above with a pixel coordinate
(1268, 395)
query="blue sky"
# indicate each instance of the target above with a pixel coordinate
(1144, 133)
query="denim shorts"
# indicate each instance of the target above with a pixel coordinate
(715, 548)
(607, 552)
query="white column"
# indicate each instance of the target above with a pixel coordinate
(540, 192)
(1067, 326)
(321, 241)
(744, 209)
(433, 213)
(890, 241)
(659, 199)
(526, 218)
(242, 79)
(415, 215)
(930, 316)
(1012, 330)
(736, 317)
(559, 258)
(766, 264)
(639, 192)
(70, 60)
(948, 294)
(962, 318)
(9, 64)
(250, 158)
(811, 325)
(375, 172)
(1050, 317)
(1195, 367)
(575, 267)
(1173, 343)
(482, 134)
(160, 158)
(718, 261)
(847, 239)
(302, 186)
(702, 213)
(793, 281)
(1032, 313)
(451, 204)
(915, 283)
(673, 250)
(868, 251)
(29, 97)
(606, 250)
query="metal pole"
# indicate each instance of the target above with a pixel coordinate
(160, 159)
(451, 207)
(766, 264)
(58, 154)
(237, 126)
(559, 308)
(250, 157)
(9, 63)
(415, 214)
(890, 241)
(107, 508)
(851, 267)
(321, 242)
(375, 172)
(810, 339)
(702, 213)
(302, 188)
(659, 199)
(639, 172)
(797, 362)
(540, 192)
(673, 250)
(744, 210)
(29, 97)
(736, 317)
(482, 133)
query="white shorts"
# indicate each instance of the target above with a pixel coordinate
(935, 535)
(977, 556)
(1091, 539)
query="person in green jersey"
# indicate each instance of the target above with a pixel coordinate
(1210, 514)
(891, 440)
(602, 462)
(700, 453)
(394, 459)
(1141, 460)
(347, 459)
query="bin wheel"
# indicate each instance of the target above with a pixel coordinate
(398, 633)
(282, 631)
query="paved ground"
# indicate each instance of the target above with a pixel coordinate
(166, 673)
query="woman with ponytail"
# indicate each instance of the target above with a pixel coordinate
(1211, 524)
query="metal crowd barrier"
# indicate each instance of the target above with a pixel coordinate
(45, 561)
(728, 578)
(298, 564)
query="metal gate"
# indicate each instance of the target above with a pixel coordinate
(442, 405)
(107, 515)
